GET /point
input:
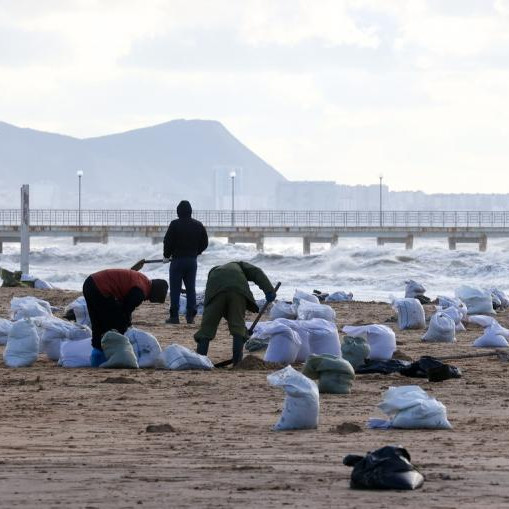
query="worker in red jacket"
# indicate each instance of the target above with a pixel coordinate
(111, 296)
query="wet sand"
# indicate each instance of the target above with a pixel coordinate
(78, 438)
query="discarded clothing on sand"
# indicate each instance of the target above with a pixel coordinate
(387, 468)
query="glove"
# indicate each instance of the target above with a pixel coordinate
(166, 260)
(97, 357)
(270, 296)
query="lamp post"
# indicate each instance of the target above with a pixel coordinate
(381, 216)
(232, 176)
(80, 174)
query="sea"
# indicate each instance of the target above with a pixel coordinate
(359, 266)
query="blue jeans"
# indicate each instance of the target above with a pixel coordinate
(183, 270)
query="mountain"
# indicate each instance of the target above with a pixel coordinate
(153, 167)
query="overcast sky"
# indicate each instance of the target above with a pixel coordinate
(342, 90)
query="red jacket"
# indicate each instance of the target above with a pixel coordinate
(119, 282)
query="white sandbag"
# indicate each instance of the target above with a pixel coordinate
(75, 353)
(301, 407)
(22, 346)
(5, 327)
(55, 330)
(284, 343)
(413, 289)
(339, 296)
(323, 336)
(494, 337)
(29, 307)
(381, 339)
(146, 347)
(179, 357)
(441, 329)
(477, 300)
(259, 329)
(302, 332)
(482, 320)
(410, 313)
(309, 310)
(40, 284)
(282, 309)
(456, 314)
(501, 296)
(79, 306)
(409, 407)
(300, 295)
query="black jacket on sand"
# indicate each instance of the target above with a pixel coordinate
(185, 236)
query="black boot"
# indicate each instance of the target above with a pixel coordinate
(203, 346)
(238, 349)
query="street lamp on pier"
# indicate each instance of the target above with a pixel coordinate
(232, 176)
(80, 174)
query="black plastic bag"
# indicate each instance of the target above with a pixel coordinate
(385, 367)
(429, 367)
(388, 468)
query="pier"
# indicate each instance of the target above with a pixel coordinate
(254, 226)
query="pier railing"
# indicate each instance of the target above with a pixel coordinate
(261, 218)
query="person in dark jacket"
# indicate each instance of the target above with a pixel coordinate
(185, 239)
(111, 296)
(227, 295)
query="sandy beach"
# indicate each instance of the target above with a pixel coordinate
(79, 438)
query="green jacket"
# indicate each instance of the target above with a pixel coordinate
(235, 276)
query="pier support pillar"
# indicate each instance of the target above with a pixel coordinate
(483, 243)
(231, 240)
(259, 244)
(156, 240)
(1, 247)
(306, 245)
(452, 243)
(409, 243)
(334, 241)
(379, 241)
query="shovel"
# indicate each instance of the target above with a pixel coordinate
(139, 265)
(251, 329)
(501, 355)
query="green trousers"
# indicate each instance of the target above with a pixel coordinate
(228, 304)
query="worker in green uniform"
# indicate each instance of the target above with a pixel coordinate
(227, 295)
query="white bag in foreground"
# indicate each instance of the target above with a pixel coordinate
(477, 300)
(409, 407)
(22, 347)
(146, 347)
(5, 327)
(179, 357)
(410, 313)
(284, 344)
(494, 336)
(301, 407)
(441, 329)
(75, 353)
(309, 310)
(381, 339)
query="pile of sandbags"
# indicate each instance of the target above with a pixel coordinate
(339, 296)
(302, 402)
(409, 407)
(300, 295)
(282, 309)
(54, 331)
(309, 310)
(500, 297)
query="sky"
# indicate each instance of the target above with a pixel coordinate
(416, 91)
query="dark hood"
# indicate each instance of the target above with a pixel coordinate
(184, 209)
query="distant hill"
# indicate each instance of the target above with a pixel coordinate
(153, 167)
